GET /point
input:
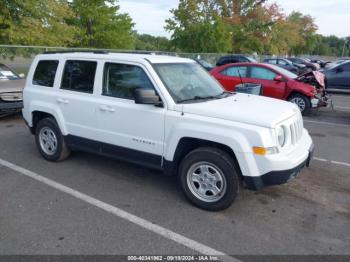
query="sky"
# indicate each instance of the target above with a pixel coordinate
(331, 16)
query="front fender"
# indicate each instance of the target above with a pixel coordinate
(236, 141)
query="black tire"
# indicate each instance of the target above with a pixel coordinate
(304, 100)
(61, 151)
(221, 162)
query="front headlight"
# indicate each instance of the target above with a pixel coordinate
(281, 134)
(11, 96)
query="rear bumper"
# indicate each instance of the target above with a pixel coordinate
(278, 177)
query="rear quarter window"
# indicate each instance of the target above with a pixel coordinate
(45, 73)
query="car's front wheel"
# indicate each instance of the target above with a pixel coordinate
(209, 178)
(302, 102)
(50, 141)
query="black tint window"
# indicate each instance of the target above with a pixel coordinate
(45, 73)
(346, 67)
(120, 80)
(234, 60)
(243, 59)
(79, 76)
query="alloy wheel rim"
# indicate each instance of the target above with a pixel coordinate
(299, 102)
(206, 182)
(48, 141)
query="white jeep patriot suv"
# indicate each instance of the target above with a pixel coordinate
(165, 113)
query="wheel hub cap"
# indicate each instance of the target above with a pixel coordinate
(48, 141)
(299, 102)
(206, 181)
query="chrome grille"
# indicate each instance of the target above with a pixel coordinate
(296, 130)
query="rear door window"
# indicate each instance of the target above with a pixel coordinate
(45, 73)
(79, 76)
(235, 71)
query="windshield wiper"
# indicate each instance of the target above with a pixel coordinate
(227, 93)
(196, 98)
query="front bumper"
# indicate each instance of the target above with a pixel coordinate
(323, 101)
(278, 177)
(11, 106)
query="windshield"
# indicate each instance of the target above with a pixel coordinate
(6, 73)
(337, 63)
(252, 60)
(188, 81)
(283, 71)
(205, 63)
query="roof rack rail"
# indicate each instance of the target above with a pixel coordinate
(100, 52)
(76, 51)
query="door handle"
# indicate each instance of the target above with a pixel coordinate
(62, 101)
(105, 108)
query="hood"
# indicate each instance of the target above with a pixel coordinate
(314, 78)
(244, 108)
(12, 85)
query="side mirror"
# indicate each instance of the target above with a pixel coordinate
(146, 96)
(22, 75)
(278, 79)
(339, 70)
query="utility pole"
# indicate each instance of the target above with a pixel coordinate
(342, 53)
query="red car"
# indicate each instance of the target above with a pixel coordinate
(276, 82)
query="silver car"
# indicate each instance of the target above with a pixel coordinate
(11, 87)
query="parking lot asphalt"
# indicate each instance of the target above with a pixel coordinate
(309, 215)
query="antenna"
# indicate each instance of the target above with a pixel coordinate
(240, 77)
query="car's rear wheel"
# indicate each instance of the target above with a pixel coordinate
(209, 178)
(303, 102)
(50, 141)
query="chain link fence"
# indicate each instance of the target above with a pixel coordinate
(19, 58)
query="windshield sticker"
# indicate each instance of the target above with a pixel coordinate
(7, 73)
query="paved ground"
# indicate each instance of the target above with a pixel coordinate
(310, 215)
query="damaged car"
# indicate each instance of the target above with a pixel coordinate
(306, 91)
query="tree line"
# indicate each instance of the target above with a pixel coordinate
(203, 26)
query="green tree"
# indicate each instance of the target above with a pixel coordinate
(102, 25)
(32, 22)
(252, 24)
(148, 42)
(306, 29)
(197, 26)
